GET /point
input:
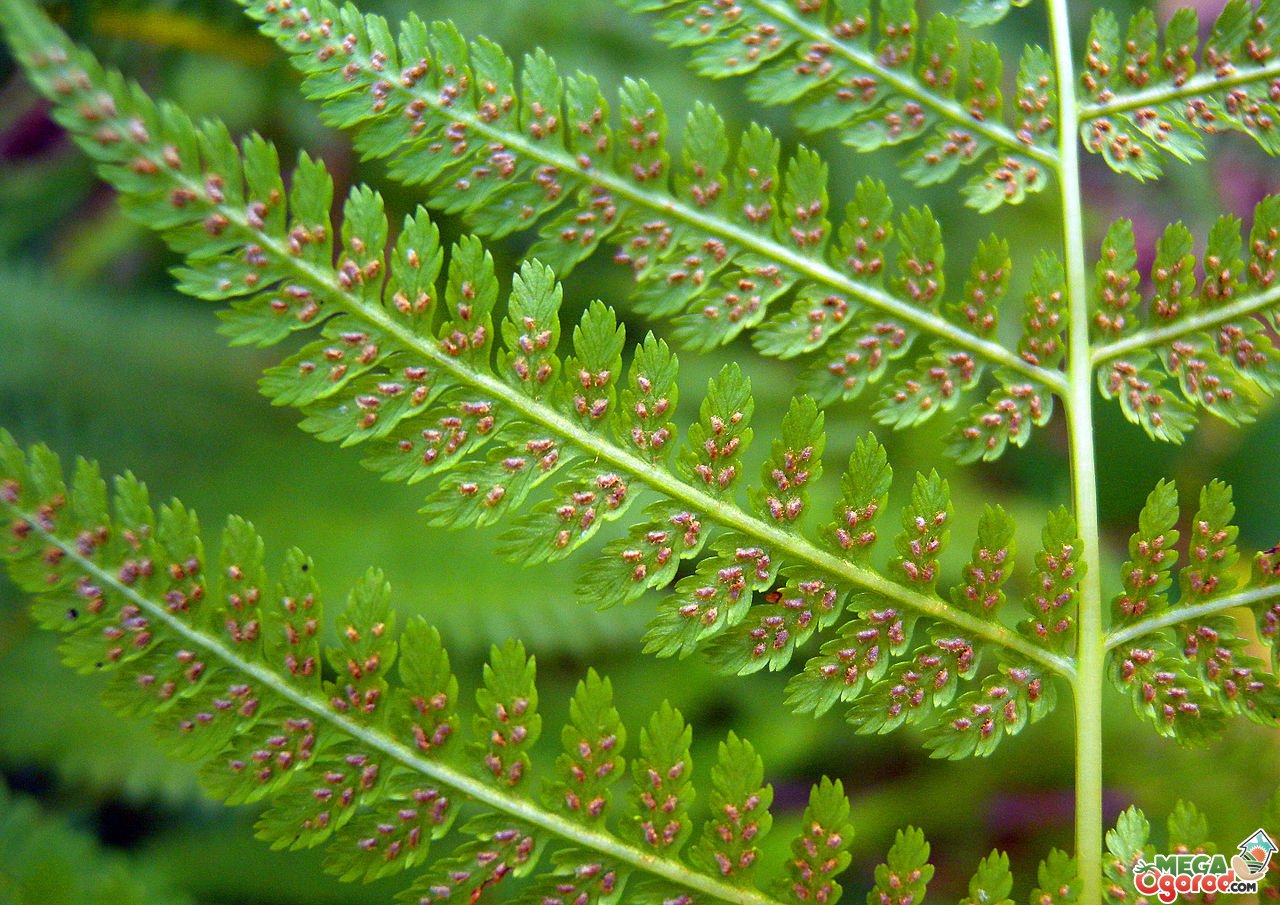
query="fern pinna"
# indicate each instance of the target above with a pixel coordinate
(439, 379)
(232, 664)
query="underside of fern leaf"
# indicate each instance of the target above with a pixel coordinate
(231, 666)
(1185, 664)
(417, 355)
(405, 367)
(712, 242)
(1194, 343)
(873, 73)
(1151, 96)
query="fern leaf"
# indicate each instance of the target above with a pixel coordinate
(1060, 567)
(663, 791)
(1150, 98)
(859, 654)
(507, 716)
(864, 489)
(873, 74)
(732, 237)
(593, 744)
(1058, 880)
(739, 804)
(980, 719)
(821, 852)
(906, 872)
(1006, 417)
(934, 385)
(1211, 550)
(1145, 397)
(1207, 340)
(925, 531)
(1044, 323)
(1165, 690)
(1147, 575)
(1127, 845)
(1116, 292)
(915, 691)
(990, 567)
(1236, 678)
(859, 359)
(412, 380)
(772, 631)
(367, 769)
(992, 882)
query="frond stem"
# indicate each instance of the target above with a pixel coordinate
(1201, 320)
(1200, 84)
(1177, 615)
(1090, 649)
(949, 109)
(816, 269)
(661, 480)
(476, 789)
(726, 514)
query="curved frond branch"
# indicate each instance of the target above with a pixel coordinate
(1179, 614)
(273, 259)
(1196, 86)
(359, 84)
(796, 548)
(1205, 319)
(867, 62)
(81, 569)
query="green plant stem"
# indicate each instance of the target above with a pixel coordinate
(1206, 82)
(1202, 320)
(515, 806)
(1090, 643)
(1181, 614)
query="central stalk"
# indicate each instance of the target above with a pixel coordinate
(1090, 644)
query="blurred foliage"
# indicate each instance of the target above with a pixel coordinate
(45, 860)
(99, 357)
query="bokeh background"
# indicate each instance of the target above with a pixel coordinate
(100, 357)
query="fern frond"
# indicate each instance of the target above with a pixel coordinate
(1146, 99)
(405, 367)
(373, 771)
(1189, 679)
(1204, 337)
(872, 73)
(736, 233)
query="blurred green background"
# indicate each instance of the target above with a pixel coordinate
(99, 357)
